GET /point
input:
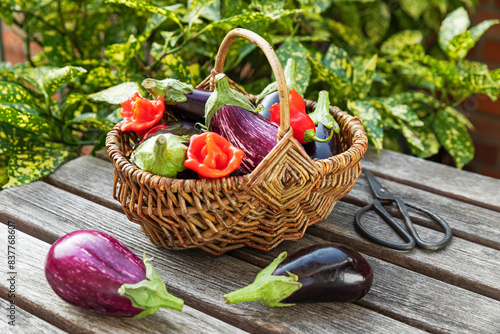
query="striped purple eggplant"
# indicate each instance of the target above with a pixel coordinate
(248, 131)
(93, 270)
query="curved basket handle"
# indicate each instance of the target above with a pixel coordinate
(273, 61)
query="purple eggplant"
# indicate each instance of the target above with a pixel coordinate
(248, 131)
(266, 103)
(319, 150)
(93, 270)
(193, 110)
(325, 272)
(232, 116)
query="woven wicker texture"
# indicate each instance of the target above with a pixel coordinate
(286, 193)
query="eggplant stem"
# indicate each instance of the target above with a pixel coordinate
(267, 288)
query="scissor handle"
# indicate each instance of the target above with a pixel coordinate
(377, 205)
(425, 245)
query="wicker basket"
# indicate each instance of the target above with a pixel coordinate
(285, 194)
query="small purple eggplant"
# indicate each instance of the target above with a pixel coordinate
(318, 273)
(93, 270)
(193, 110)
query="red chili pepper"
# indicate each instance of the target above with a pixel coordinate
(153, 130)
(303, 126)
(140, 114)
(212, 156)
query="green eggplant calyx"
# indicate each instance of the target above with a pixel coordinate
(224, 95)
(163, 155)
(268, 289)
(171, 90)
(150, 294)
(321, 113)
(310, 135)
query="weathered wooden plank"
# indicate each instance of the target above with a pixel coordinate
(92, 178)
(408, 296)
(438, 178)
(468, 221)
(462, 263)
(35, 295)
(197, 277)
(24, 322)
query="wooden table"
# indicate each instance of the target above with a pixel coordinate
(456, 290)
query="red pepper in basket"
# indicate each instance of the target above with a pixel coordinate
(140, 114)
(212, 156)
(303, 126)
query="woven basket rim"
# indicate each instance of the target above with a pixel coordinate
(357, 148)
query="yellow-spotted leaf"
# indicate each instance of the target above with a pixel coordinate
(371, 121)
(422, 141)
(295, 50)
(29, 122)
(378, 21)
(13, 93)
(116, 94)
(55, 78)
(148, 6)
(91, 119)
(324, 74)
(454, 24)
(121, 54)
(34, 75)
(402, 112)
(354, 40)
(57, 48)
(453, 136)
(338, 61)
(481, 83)
(363, 74)
(101, 77)
(315, 6)
(495, 75)
(397, 42)
(460, 44)
(15, 140)
(414, 8)
(30, 166)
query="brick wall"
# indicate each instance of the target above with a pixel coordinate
(482, 112)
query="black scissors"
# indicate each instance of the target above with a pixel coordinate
(411, 238)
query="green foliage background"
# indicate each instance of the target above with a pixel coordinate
(398, 65)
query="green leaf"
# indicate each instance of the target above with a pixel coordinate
(315, 6)
(122, 54)
(34, 75)
(338, 61)
(54, 79)
(481, 83)
(93, 121)
(397, 42)
(296, 51)
(147, 6)
(101, 77)
(35, 164)
(414, 8)
(371, 121)
(460, 44)
(402, 112)
(267, 6)
(454, 24)
(427, 144)
(356, 42)
(29, 122)
(172, 91)
(324, 74)
(412, 138)
(12, 93)
(57, 48)
(453, 135)
(378, 21)
(116, 94)
(15, 140)
(364, 72)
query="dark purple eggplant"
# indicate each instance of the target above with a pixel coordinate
(93, 270)
(248, 131)
(266, 103)
(325, 272)
(178, 128)
(193, 110)
(319, 150)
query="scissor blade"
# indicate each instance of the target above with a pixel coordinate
(379, 191)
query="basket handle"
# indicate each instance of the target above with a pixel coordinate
(275, 66)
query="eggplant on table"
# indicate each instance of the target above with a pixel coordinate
(94, 271)
(326, 272)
